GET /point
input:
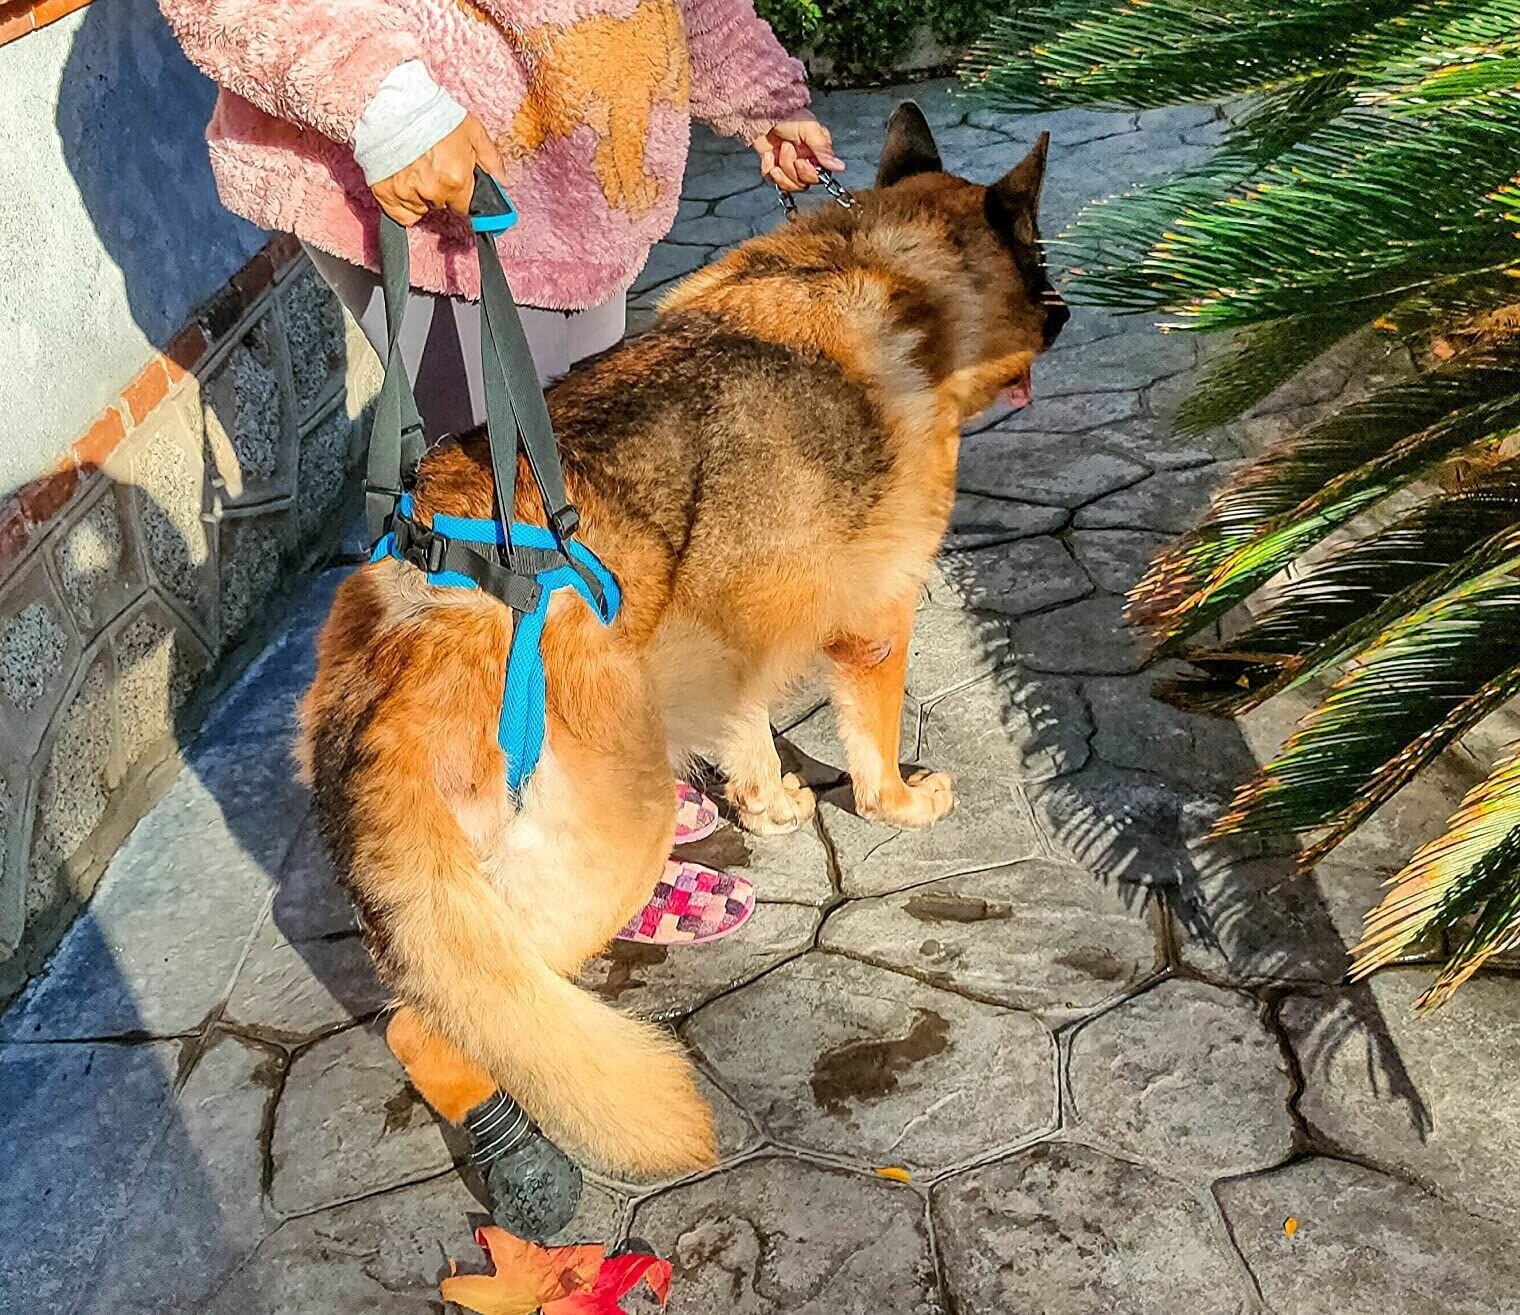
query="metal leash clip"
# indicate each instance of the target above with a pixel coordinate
(838, 192)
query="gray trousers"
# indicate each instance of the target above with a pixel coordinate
(440, 341)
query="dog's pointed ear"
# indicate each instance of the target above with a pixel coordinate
(909, 147)
(1013, 202)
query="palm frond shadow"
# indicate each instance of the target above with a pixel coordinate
(1129, 788)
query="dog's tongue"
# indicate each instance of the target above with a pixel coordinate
(1018, 395)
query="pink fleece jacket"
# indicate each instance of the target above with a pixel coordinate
(590, 100)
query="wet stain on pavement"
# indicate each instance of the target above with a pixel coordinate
(725, 849)
(398, 1110)
(864, 1071)
(1095, 962)
(627, 957)
(943, 908)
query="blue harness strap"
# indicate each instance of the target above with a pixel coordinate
(520, 729)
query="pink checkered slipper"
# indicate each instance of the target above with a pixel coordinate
(692, 905)
(696, 814)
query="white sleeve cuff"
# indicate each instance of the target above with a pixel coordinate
(408, 116)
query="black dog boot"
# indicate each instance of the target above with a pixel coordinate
(534, 1188)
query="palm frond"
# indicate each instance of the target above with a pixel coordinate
(1316, 619)
(1472, 871)
(1294, 495)
(1425, 681)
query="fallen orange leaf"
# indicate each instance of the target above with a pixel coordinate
(1290, 1225)
(525, 1276)
(895, 1174)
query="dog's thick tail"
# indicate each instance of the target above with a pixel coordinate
(601, 1084)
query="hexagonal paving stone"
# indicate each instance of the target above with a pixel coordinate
(1169, 502)
(1052, 468)
(198, 1211)
(1134, 360)
(1129, 826)
(384, 1255)
(1367, 1244)
(991, 826)
(788, 869)
(662, 982)
(1036, 935)
(951, 648)
(778, 1235)
(1090, 638)
(295, 992)
(737, 1135)
(1116, 559)
(308, 901)
(1015, 725)
(812, 747)
(857, 1061)
(1065, 1230)
(978, 520)
(349, 1123)
(1185, 1076)
(1137, 730)
(1016, 578)
(1073, 414)
(1436, 1098)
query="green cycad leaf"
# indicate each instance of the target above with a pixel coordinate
(1473, 870)
(1291, 497)
(1054, 52)
(1426, 680)
(1316, 619)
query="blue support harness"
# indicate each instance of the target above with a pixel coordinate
(520, 730)
(522, 565)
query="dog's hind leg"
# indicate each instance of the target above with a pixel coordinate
(866, 678)
(533, 1187)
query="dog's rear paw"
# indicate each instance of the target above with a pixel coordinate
(925, 798)
(773, 810)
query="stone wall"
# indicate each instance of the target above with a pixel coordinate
(130, 570)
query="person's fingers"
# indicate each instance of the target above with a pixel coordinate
(456, 186)
(814, 139)
(786, 161)
(805, 171)
(767, 154)
(403, 214)
(778, 176)
(486, 152)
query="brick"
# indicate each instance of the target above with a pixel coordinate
(44, 498)
(50, 11)
(98, 442)
(186, 351)
(221, 313)
(19, 26)
(15, 534)
(254, 279)
(284, 249)
(146, 391)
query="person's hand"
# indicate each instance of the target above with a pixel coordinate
(445, 176)
(791, 152)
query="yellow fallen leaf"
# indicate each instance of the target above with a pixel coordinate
(1290, 1225)
(895, 1174)
(526, 1276)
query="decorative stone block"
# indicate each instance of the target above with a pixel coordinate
(315, 337)
(165, 463)
(39, 651)
(249, 425)
(96, 557)
(323, 472)
(254, 549)
(158, 661)
(76, 779)
(13, 851)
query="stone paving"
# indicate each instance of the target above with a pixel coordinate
(1106, 1061)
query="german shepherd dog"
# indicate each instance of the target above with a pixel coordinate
(768, 471)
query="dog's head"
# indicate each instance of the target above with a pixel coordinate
(996, 232)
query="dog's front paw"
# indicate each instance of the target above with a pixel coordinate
(923, 799)
(774, 810)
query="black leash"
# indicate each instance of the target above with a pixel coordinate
(838, 191)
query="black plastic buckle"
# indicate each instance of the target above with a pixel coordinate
(565, 522)
(422, 547)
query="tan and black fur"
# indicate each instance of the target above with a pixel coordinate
(769, 471)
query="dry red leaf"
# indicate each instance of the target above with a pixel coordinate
(525, 1277)
(618, 1277)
